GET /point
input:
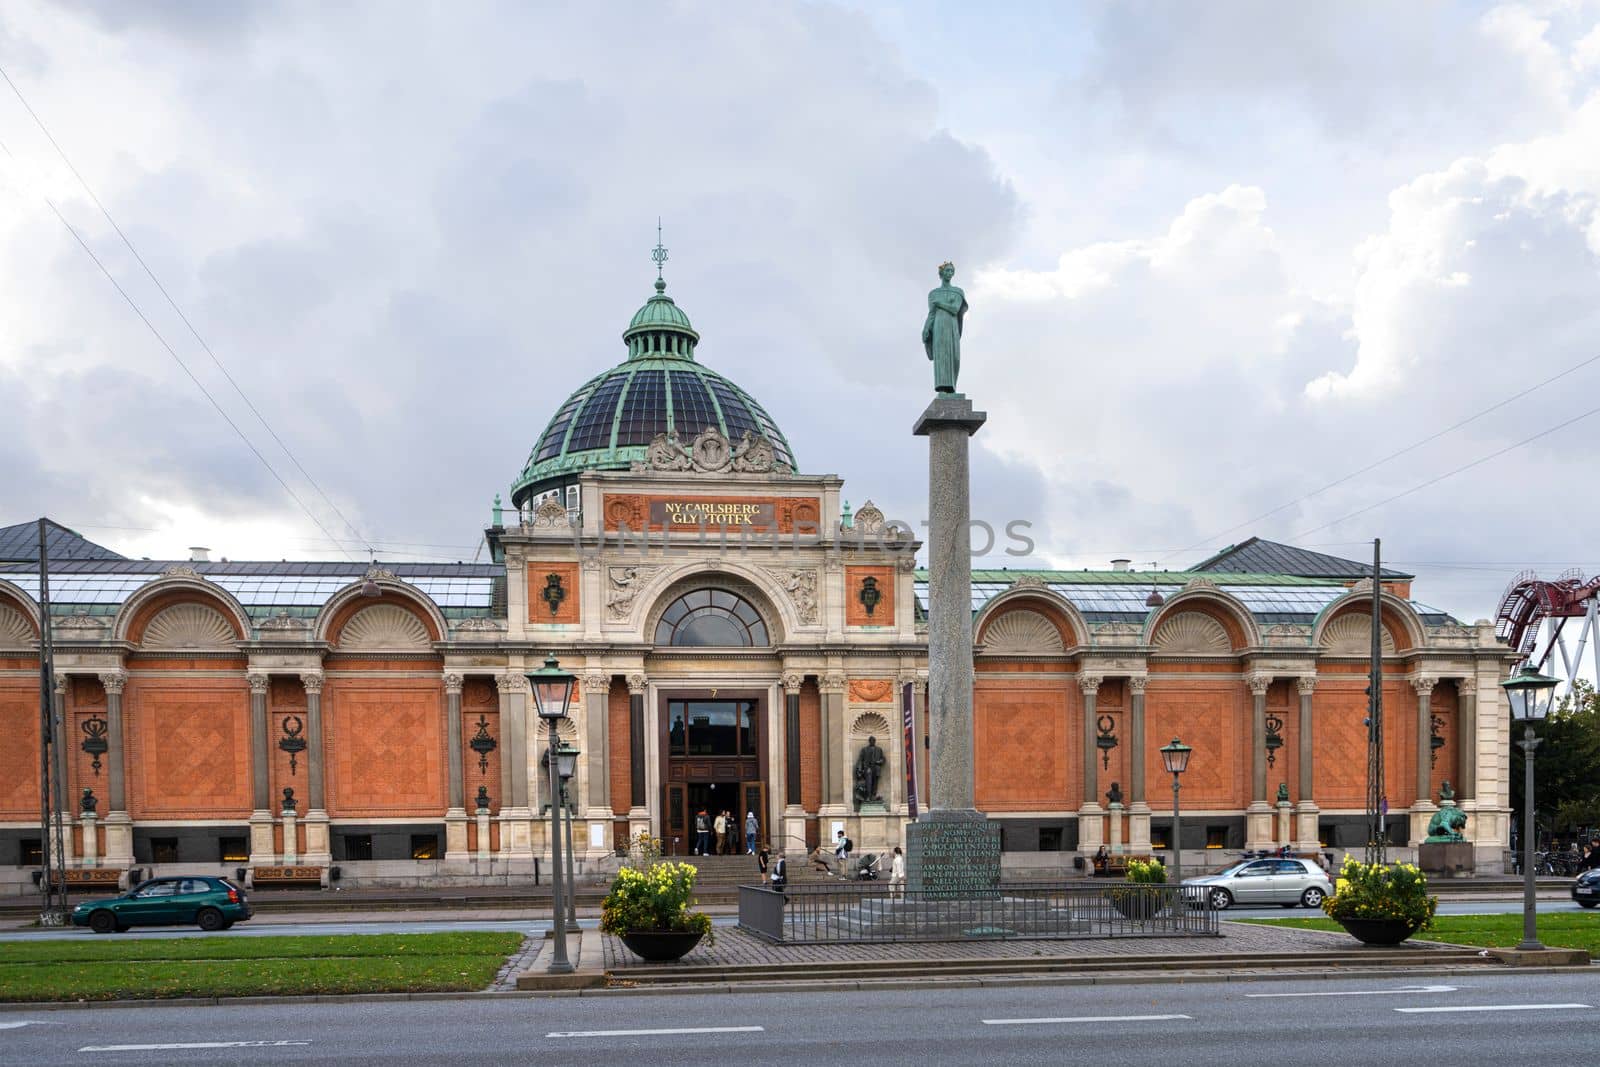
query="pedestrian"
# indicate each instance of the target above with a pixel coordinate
(721, 827)
(761, 861)
(751, 828)
(1591, 861)
(702, 833)
(733, 833)
(780, 872)
(897, 873)
(1102, 859)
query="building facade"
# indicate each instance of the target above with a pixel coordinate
(740, 637)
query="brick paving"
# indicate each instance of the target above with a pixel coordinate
(735, 947)
(517, 962)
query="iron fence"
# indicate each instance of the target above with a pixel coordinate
(810, 914)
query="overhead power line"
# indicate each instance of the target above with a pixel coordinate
(137, 310)
(180, 313)
(1374, 465)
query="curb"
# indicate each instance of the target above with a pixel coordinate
(830, 986)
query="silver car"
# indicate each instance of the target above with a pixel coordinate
(1261, 881)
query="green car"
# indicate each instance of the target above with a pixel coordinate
(207, 902)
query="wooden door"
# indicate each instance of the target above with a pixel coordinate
(676, 834)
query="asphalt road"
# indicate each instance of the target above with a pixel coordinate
(1464, 1020)
(290, 924)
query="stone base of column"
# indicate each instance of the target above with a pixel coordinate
(455, 836)
(793, 841)
(1114, 823)
(263, 852)
(484, 851)
(955, 853)
(1306, 835)
(88, 853)
(291, 840)
(638, 823)
(1258, 826)
(319, 846)
(1421, 814)
(1139, 828)
(1091, 827)
(119, 839)
(516, 834)
(1285, 822)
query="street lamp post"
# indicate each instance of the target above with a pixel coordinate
(1176, 758)
(1531, 695)
(567, 759)
(552, 692)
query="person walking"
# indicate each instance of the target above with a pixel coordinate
(897, 873)
(721, 827)
(761, 861)
(780, 872)
(1591, 861)
(702, 833)
(733, 833)
(751, 828)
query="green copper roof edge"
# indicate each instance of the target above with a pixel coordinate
(1168, 578)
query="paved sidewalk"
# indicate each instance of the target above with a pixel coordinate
(736, 948)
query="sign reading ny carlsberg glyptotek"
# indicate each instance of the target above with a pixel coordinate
(760, 515)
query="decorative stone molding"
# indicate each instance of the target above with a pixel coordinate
(1137, 682)
(549, 515)
(258, 682)
(511, 683)
(869, 518)
(81, 625)
(1029, 581)
(623, 585)
(711, 453)
(186, 626)
(637, 683)
(283, 626)
(113, 681)
(1363, 586)
(1198, 583)
(1022, 633)
(596, 682)
(1306, 683)
(312, 680)
(384, 626)
(1089, 684)
(1115, 633)
(452, 682)
(801, 585)
(871, 690)
(1351, 635)
(1258, 683)
(62, 681)
(1193, 632)
(15, 629)
(1287, 635)
(1424, 684)
(869, 724)
(178, 570)
(906, 564)
(833, 682)
(793, 682)
(379, 574)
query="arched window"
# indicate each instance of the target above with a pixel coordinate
(711, 618)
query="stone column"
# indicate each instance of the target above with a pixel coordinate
(949, 423)
(455, 816)
(483, 835)
(835, 763)
(1138, 803)
(263, 852)
(638, 755)
(291, 842)
(1307, 838)
(1423, 807)
(919, 734)
(1466, 784)
(597, 747)
(516, 818)
(119, 825)
(58, 726)
(319, 851)
(1258, 817)
(1091, 826)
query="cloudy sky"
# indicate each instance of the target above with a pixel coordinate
(1219, 256)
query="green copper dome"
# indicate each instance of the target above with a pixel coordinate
(608, 422)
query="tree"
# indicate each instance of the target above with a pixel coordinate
(1567, 768)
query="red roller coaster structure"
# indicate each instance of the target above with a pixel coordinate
(1529, 601)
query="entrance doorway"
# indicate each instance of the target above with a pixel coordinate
(713, 760)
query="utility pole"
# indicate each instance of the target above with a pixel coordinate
(52, 814)
(1377, 802)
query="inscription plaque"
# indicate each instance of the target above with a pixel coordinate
(953, 857)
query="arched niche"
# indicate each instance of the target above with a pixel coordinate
(745, 589)
(379, 589)
(1017, 623)
(1349, 619)
(1213, 610)
(155, 599)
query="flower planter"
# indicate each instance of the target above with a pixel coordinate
(1378, 931)
(661, 946)
(1136, 904)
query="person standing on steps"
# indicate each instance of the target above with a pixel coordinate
(761, 861)
(721, 827)
(702, 833)
(780, 872)
(751, 828)
(897, 873)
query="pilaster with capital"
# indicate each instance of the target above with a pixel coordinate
(597, 760)
(1258, 831)
(1136, 748)
(834, 768)
(1306, 830)
(452, 725)
(792, 684)
(260, 788)
(637, 686)
(1424, 685)
(1089, 686)
(118, 823)
(516, 820)
(318, 849)
(1467, 739)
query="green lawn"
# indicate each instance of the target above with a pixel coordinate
(1565, 930)
(107, 969)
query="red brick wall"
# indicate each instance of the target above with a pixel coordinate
(1023, 743)
(810, 745)
(19, 749)
(188, 747)
(1212, 717)
(385, 747)
(618, 728)
(479, 697)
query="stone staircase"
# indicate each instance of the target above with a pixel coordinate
(726, 872)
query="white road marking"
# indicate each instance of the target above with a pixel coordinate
(656, 1033)
(25, 1022)
(1086, 1019)
(1491, 1007)
(190, 1044)
(1363, 992)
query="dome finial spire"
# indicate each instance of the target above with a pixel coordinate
(659, 256)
